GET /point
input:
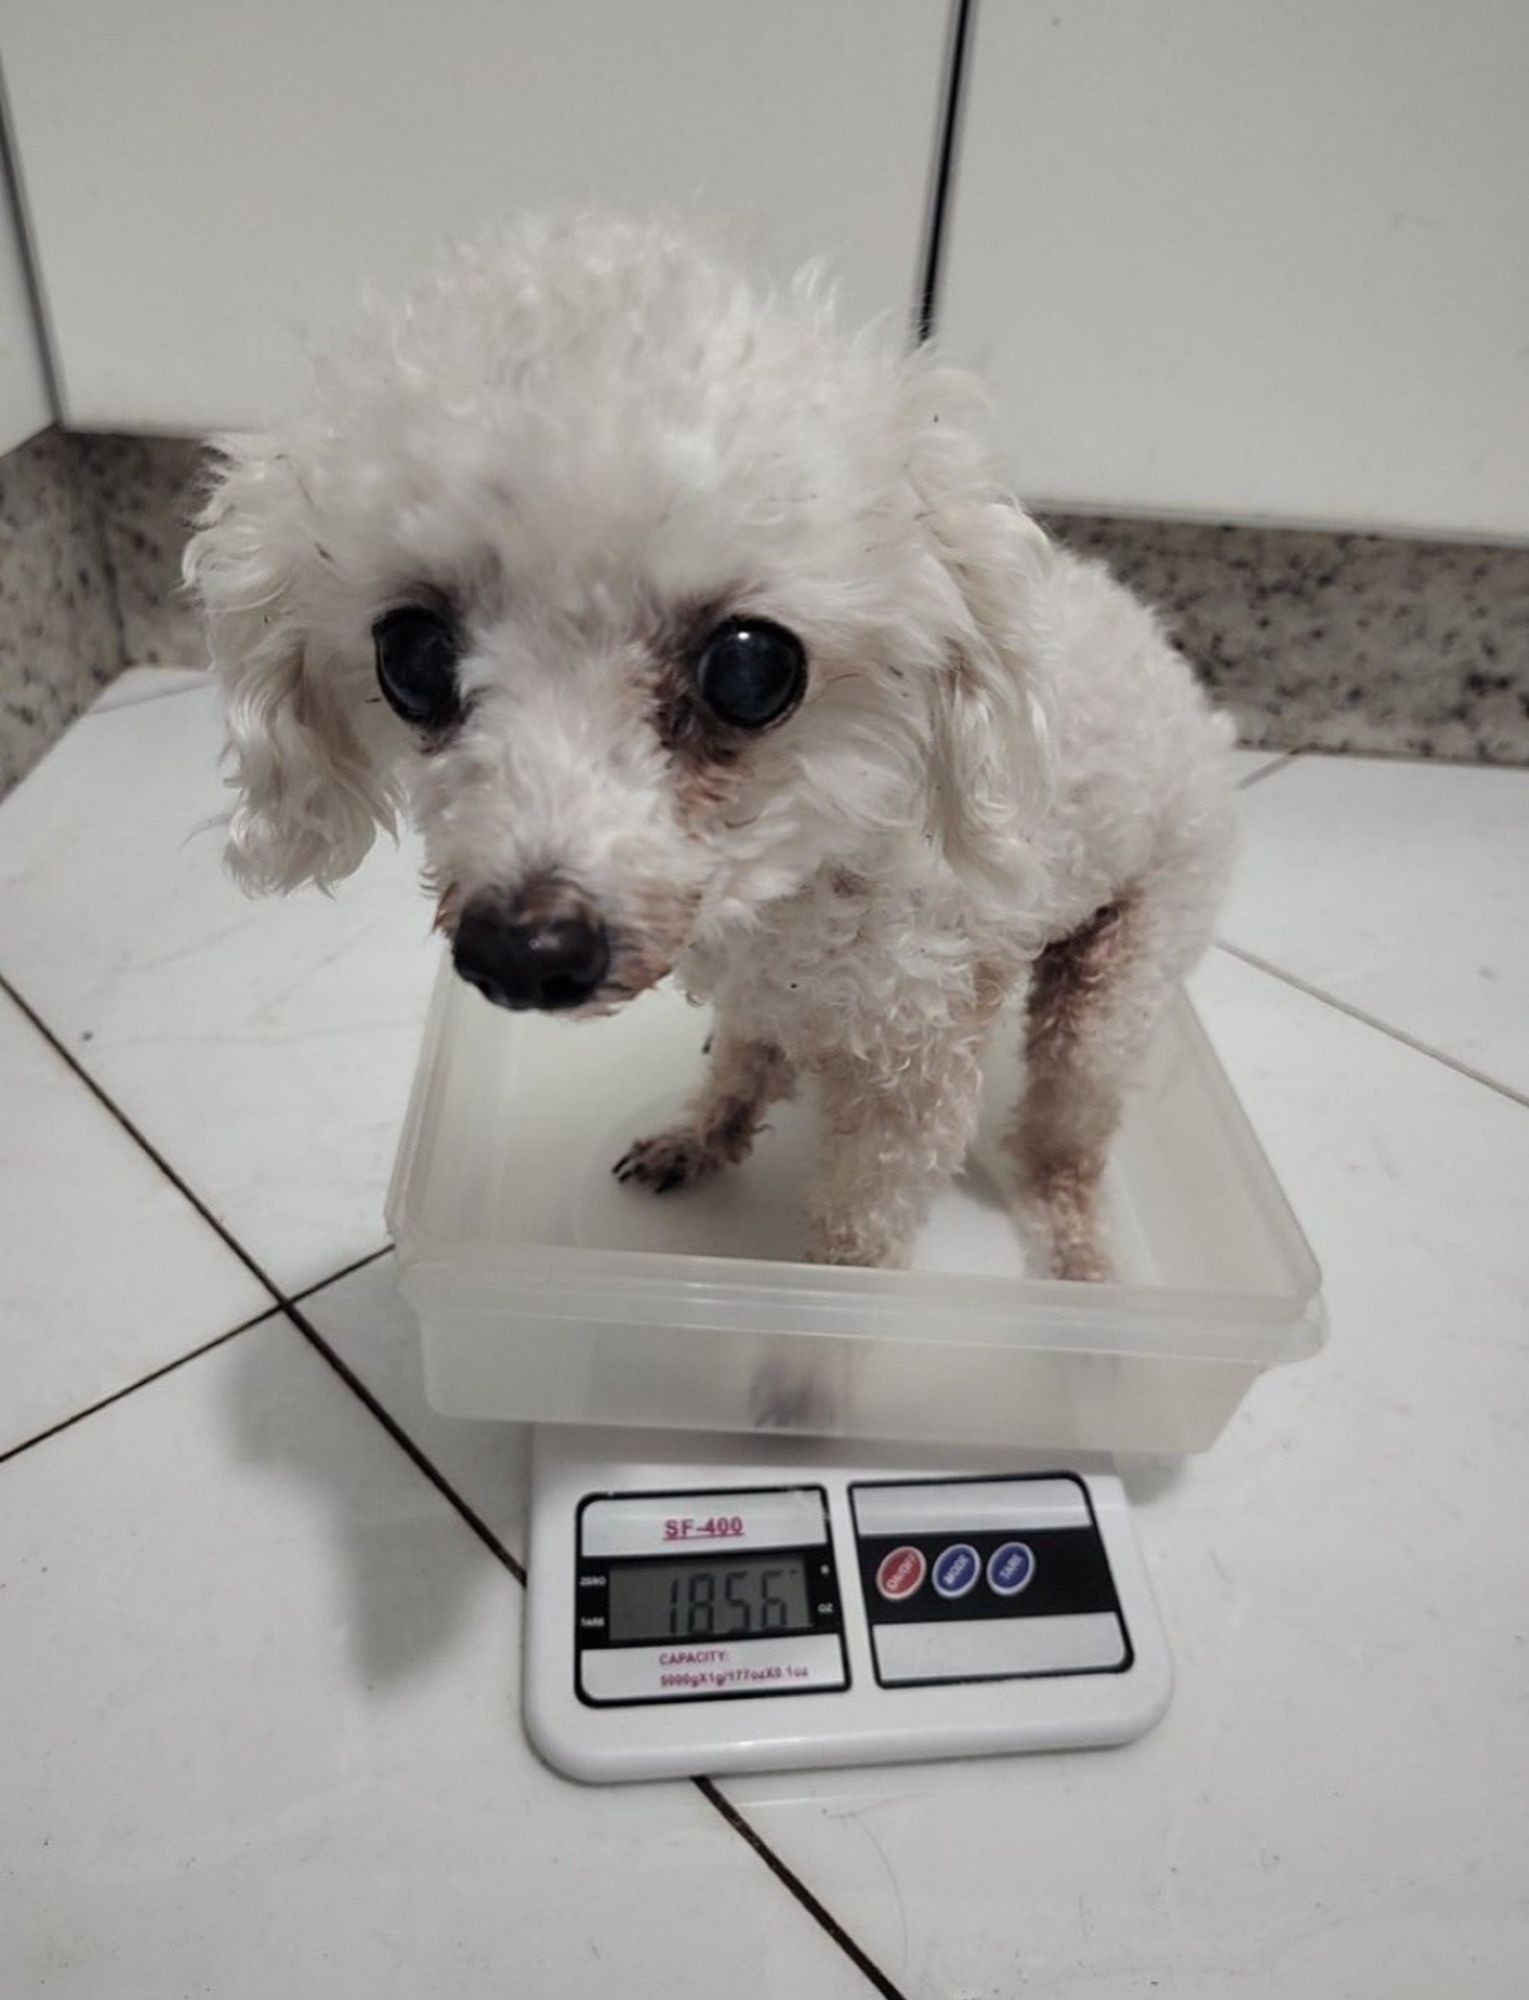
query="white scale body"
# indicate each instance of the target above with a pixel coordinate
(703, 1605)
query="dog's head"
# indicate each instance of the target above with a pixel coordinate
(642, 591)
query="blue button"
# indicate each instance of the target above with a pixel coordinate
(1010, 1568)
(956, 1570)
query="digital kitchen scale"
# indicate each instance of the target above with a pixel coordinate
(702, 1605)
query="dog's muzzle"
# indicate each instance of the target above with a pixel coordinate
(522, 953)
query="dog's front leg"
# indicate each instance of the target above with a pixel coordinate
(894, 1134)
(746, 1075)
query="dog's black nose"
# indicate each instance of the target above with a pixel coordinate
(521, 957)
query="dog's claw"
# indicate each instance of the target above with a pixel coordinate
(665, 1162)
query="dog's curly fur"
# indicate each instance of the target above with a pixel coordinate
(590, 443)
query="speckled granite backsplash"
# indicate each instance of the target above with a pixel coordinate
(60, 642)
(1314, 641)
(1340, 642)
(144, 493)
(91, 530)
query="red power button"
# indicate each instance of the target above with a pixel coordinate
(900, 1573)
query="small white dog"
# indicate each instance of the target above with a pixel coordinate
(698, 636)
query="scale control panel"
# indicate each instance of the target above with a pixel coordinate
(986, 1579)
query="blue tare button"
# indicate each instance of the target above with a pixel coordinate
(1010, 1568)
(956, 1570)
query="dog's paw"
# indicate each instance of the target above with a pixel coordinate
(669, 1160)
(868, 1242)
(1066, 1235)
(797, 1396)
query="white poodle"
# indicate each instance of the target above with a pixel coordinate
(698, 636)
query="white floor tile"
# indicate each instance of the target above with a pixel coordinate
(265, 1047)
(106, 1272)
(1338, 1800)
(368, 1325)
(1404, 890)
(258, 1682)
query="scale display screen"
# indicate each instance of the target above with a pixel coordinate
(743, 1597)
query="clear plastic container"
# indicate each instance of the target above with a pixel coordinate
(547, 1291)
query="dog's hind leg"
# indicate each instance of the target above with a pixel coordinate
(745, 1077)
(1094, 999)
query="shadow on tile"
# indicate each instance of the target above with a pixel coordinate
(409, 1570)
(1148, 1480)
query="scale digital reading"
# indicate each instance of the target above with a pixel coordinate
(786, 1515)
(697, 1599)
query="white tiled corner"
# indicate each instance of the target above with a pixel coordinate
(1335, 1802)
(1248, 764)
(106, 1271)
(264, 1047)
(259, 1682)
(136, 684)
(1402, 889)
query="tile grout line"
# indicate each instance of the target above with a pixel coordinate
(335, 1277)
(280, 1302)
(795, 1886)
(109, 1104)
(1358, 1014)
(96, 712)
(1270, 770)
(950, 104)
(142, 1382)
(402, 1439)
(281, 1306)
(1329, 753)
(272, 1311)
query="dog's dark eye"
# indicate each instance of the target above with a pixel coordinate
(417, 665)
(750, 673)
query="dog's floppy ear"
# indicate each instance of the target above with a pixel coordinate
(309, 801)
(990, 736)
